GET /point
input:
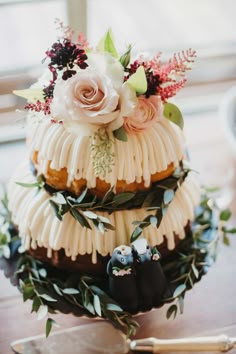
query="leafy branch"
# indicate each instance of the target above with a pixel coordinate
(9, 239)
(159, 201)
(40, 182)
(49, 291)
(198, 250)
(84, 207)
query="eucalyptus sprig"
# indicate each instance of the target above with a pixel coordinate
(226, 230)
(198, 250)
(39, 183)
(84, 207)
(8, 232)
(160, 201)
(48, 291)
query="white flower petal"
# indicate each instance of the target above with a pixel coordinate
(128, 100)
(106, 64)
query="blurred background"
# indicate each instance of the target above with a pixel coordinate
(27, 30)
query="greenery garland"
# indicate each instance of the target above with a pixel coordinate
(84, 207)
(51, 290)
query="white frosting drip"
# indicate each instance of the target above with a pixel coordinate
(38, 226)
(138, 158)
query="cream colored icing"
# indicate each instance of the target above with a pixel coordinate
(141, 156)
(38, 226)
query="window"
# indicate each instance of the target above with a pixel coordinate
(208, 26)
(27, 29)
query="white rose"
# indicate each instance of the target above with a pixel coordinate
(94, 96)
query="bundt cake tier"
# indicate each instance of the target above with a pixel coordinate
(82, 263)
(40, 228)
(67, 162)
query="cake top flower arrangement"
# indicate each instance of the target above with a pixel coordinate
(102, 89)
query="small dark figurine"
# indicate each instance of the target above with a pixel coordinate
(122, 278)
(151, 281)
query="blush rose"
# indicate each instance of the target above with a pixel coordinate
(95, 96)
(145, 114)
(86, 97)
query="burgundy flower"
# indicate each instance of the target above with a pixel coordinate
(64, 56)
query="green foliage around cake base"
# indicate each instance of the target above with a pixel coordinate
(52, 290)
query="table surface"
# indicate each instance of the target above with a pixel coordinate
(209, 309)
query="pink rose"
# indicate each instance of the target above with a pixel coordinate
(86, 97)
(95, 96)
(145, 114)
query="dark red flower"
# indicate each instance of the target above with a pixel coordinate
(64, 56)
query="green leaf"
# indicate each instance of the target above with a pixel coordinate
(70, 291)
(80, 218)
(41, 180)
(230, 231)
(104, 220)
(21, 283)
(136, 233)
(195, 270)
(123, 197)
(140, 223)
(106, 44)
(89, 307)
(42, 272)
(50, 322)
(36, 304)
(138, 81)
(109, 226)
(109, 194)
(32, 95)
(149, 199)
(58, 198)
(28, 292)
(56, 209)
(120, 134)
(172, 112)
(35, 273)
(114, 307)
(168, 196)
(181, 304)
(28, 185)
(191, 281)
(172, 310)
(90, 214)
(47, 298)
(226, 240)
(97, 305)
(125, 58)
(81, 197)
(225, 215)
(57, 289)
(179, 290)
(42, 312)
